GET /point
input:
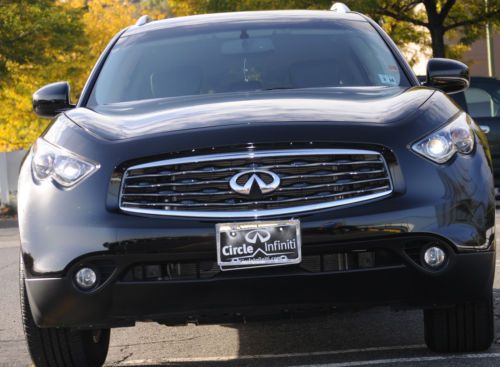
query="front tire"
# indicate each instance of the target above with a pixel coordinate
(467, 327)
(61, 347)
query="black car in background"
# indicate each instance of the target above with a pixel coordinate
(220, 168)
(483, 104)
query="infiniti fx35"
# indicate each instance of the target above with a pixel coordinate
(220, 168)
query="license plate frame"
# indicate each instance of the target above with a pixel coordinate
(258, 244)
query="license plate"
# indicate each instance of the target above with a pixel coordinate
(258, 244)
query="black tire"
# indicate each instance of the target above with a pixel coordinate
(61, 347)
(463, 328)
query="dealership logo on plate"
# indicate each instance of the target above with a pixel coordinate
(259, 234)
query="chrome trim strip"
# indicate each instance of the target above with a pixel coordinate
(289, 200)
(282, 189)
(215, 182)
(173, 184)
(256, 213)
(261, 154)
(335, 174)
(237, 169)
(490, 238)
(466, 82)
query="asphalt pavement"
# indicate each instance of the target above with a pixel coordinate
(376, 337)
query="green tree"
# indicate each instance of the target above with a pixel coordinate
(52, 41)
(464, 19)
(426, 22)
(29, 28)
(40, 42)
(401, 32)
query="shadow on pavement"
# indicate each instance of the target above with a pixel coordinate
(339, 337)
(344, 337)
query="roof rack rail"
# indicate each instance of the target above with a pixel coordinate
(143, 20)
(340, 8)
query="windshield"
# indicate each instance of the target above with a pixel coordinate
(171, 63)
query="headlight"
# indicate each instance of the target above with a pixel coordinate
(441, 145)
(59, 164)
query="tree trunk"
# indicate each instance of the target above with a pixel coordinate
(437, 36)
(436, 27)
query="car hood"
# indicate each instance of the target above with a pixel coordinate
(373, 105)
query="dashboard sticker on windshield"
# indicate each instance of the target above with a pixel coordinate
(388, 79)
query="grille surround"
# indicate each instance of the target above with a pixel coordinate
(252, 158)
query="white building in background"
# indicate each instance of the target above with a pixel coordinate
(9, 173)
(477, 58)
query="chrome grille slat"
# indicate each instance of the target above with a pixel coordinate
(208, 182)
(311, 179)
(182, 194)
(337, 174)
(237, 169)
(305, 198)
(281, 189)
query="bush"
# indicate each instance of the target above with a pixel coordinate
(10, 210)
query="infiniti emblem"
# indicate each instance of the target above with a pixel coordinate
(254, 182)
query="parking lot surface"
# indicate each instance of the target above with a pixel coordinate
(376, 337)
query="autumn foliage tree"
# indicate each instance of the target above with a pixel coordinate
(39, 41)
(46, 41)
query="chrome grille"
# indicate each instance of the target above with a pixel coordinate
(311, 179)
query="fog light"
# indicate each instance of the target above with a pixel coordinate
(434, 257)
(86, 278)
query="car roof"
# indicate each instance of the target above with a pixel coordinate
(270, 16)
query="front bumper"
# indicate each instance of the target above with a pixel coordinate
(237, 297)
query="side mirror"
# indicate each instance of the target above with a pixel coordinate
(450, 76)
(52, 99)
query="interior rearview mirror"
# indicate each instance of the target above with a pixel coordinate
(247, 46)
(450, 76)
(52, 99)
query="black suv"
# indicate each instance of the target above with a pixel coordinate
(220, 168)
